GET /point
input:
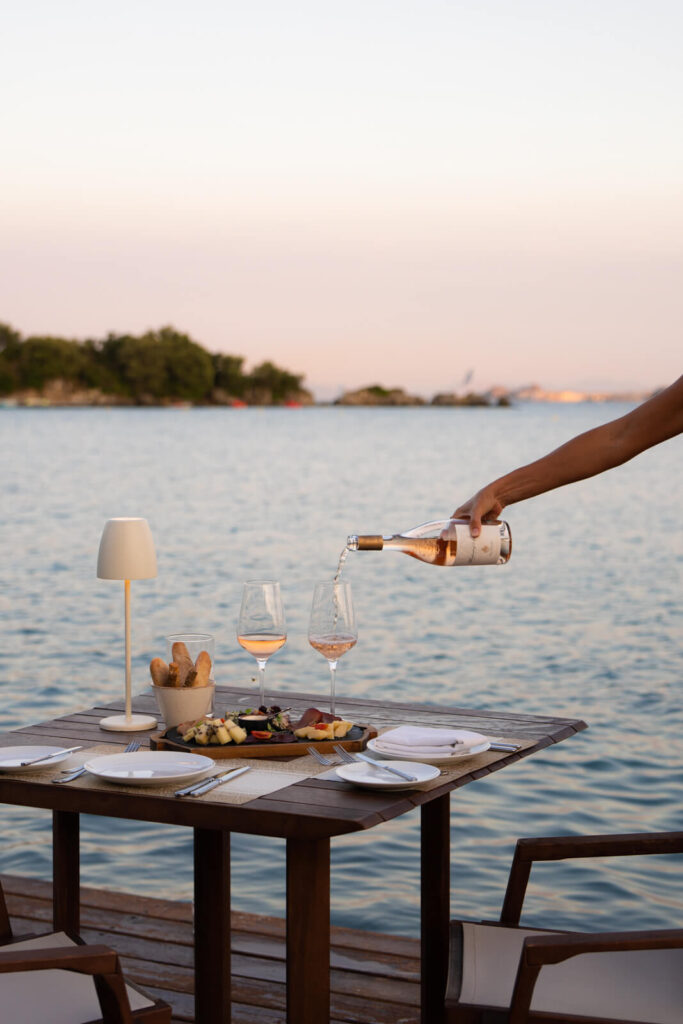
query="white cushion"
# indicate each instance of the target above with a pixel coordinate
(57, 997)
(643, 985)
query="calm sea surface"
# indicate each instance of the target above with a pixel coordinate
(585, 621)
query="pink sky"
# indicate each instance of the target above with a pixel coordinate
(362, 195)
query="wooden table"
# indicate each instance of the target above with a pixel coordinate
(306, 814)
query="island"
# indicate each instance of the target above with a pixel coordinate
(166, 367)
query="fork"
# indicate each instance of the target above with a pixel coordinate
(75, 773)
(320, 758)
(352, 758)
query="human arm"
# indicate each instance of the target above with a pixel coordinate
(593, 452)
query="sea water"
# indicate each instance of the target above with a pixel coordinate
(584, 621)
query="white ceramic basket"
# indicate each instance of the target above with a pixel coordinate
(182, 704)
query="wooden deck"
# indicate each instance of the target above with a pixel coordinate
(375, 977)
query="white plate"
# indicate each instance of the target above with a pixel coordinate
(425, 759)
(362, 774)
(149, 767)
(10, 758)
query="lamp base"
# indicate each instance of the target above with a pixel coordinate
(119, 723)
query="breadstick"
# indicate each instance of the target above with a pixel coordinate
(190, 677)
(203, 666)
(182, 658)
(173, 675)
(158, 670)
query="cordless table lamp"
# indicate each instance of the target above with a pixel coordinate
(127, 553)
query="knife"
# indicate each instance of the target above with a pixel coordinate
(47, 757)
(386, 768)
(216, 780)
(504, 746)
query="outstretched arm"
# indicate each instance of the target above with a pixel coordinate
(602, 448)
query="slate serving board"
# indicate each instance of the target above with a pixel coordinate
(355, 739)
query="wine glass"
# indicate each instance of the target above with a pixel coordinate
(261, 627)
(332, 629)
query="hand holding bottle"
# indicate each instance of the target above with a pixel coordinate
(446, 542)
(484, 505)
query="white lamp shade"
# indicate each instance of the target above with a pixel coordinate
(126, 551)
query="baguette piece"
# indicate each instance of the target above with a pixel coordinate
(190, 678)
(203, 667)
(173, 675)
(158, 670)
(181, 657)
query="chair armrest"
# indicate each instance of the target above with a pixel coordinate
(99, 961)
(82, 959)
(573, 847)
(553, 949)
(540, 950)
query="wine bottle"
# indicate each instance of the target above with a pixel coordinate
(445, 542)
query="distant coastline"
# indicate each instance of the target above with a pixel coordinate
(168, 369)
(59, 393)
(494, 397)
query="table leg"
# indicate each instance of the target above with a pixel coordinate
(66, 881)
(212, 926)
(308, 931)
(435, 906)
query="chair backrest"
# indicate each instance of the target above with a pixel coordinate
(554, 848)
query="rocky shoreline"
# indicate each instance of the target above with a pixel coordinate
(65, 394)
(377, 395)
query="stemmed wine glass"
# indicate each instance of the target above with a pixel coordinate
(261, 627)
(332, 629)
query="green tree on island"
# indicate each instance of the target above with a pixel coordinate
(161, 364)
(156, 367)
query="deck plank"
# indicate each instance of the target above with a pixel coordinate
(375, 978)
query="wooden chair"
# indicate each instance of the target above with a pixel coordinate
(57, 979)
(500, 973)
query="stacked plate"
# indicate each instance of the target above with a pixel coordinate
(427, 745)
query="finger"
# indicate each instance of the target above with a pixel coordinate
(465, 512)
(475, 523)
(468, 512)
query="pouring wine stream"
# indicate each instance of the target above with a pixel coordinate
(331, 602)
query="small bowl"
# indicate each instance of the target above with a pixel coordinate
(254, 722)
(182, 704)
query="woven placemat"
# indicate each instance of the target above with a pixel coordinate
(51, 770)
(264, 777)
(461, 766)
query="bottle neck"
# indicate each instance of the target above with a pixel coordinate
(367, 542)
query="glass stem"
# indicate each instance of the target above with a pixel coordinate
(262, 681)
(333, 677)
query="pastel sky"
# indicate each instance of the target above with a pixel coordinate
(391, 191)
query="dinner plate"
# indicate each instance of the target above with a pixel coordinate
(360, 773)
(426, 759)
(10, 758)
(149, 767)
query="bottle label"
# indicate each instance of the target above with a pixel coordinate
(481, 550)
